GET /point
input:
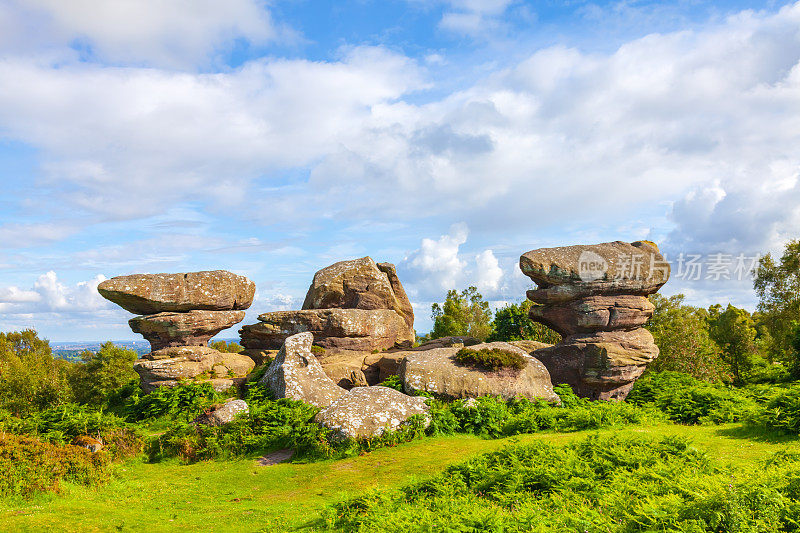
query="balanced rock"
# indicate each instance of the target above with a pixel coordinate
(595, 296)
(351, 305)
(370, 411)
(148, 294)
(437, 371)
(219, 415)
(192, 328)
(342, 329)
(295, 373)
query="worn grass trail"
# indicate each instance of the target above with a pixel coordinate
(242, 496)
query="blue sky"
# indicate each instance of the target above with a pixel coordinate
(275, 138)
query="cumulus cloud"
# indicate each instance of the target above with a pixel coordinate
(48, 294)
(175, 34)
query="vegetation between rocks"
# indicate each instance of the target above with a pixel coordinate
(490, 358)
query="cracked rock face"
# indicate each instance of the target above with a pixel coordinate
(342, 329)
(369, 411)
(295, 373)
(436, 371)
(595, 296)
(148, 294)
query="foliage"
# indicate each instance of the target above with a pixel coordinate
(512, 323)
(620, 484)
(226, 347)
(393, 382)
(29, 465)
(781, 412)
(462, 314)
(490, 358)
(734, 331)
(777, 285)
(183, 402)
(682, 334)
(318, 351)
(687, 400)
(30, 378)
(102, 373)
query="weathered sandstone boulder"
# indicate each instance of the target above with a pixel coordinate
(192, 328)
(529, 346)
(148, 294)
(222, 414)
(169, 366)
(340, 329)
(446, 342)
(437, 371)
(595, 296)
(369, 411)
(379, 366)
(295, 373)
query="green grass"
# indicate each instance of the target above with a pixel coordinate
(241, 496)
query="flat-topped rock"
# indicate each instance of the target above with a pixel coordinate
(169, 366)
(192, 328)
(370, 411)
(295, 373)
(437, 371)
(147, 294)
(569, 272)
(343, 329)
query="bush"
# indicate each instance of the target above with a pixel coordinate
(781, 412)
(103, 373)
(621, 484)
(687, 400)
(393, 382)
(29, 466)
(318, 351)
(229, 347)
(491, 358)
(183, 402)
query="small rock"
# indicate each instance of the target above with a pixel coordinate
(222, 414)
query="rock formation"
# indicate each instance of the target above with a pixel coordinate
(369, 411)
(180, 313)
(219, 415)
(437, 371)
(355, 305)
(595, 296)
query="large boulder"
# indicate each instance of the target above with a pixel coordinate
(148, 294)
(192, 328)
(168, 367)
(342, 329)
(595, 296)
(370, 411)
(295, 373)
(437, 371)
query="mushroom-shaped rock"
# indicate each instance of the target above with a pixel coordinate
(148, 294)
(192, 328)
(437, 371)
(369, 411)
(295, 373)
(596, 297)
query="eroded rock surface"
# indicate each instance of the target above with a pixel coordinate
(595, 296)
(339, 329)
(169, 366)
(192, 328)
(148, 294)
(295, 373)
(222, 414)
(369, 411)
(437, 371)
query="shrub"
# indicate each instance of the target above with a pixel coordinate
(29, 466)
(184, 402)
(229, 347)
(613, 483)
(393, 382)
(781, 412)
(687, 400)
(101, 374)
(491, 358)
(318, 351)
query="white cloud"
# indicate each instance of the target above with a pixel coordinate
(474, 17)
(176, 33)
(488, 273)
(48, 294)
(435, 266)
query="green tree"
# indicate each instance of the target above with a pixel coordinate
(778, 289)
(682, 333)
(512, 323)
(462, 314)
(735, 332)
(102, 373)
(229, 347)
(30, 377)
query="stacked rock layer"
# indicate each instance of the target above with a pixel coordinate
(595, 296)
(179, 314)
(356, 305)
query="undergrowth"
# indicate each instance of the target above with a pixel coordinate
(490, 358)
